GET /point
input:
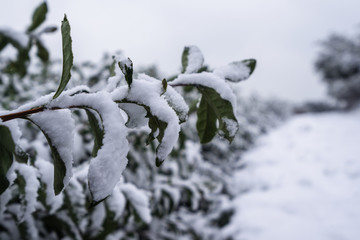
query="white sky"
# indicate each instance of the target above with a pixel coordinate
(282, 35)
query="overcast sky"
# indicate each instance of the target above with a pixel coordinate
(283, 35)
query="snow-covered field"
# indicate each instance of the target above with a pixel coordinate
(302, 181)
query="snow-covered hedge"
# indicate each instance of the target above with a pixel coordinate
(80, 193)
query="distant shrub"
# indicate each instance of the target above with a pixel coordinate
(339, 64)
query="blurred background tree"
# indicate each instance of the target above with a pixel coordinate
(339, 65)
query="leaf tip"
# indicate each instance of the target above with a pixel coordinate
(159, 162)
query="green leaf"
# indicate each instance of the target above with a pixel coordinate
(159, 127)
(206, 123)
(42, 52)
(251, 63)
(97, 131)
(126, 67)
(7, 147)
(27, 175)
(6, 139)
(6, 39)
(185, 59)
(164, 85)
(49, 29)
(112, 68)
(192, 59)
(20, 155)
(237, 71)
(19, 65)
(212, 104)
(38, 17)
(59, 165)
(67, 56)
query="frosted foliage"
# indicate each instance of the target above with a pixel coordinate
(115, 236)
(173, 192)
(177, 102)
(116, 202)
(106, 168)
(138, 200)
(73, 227)
(136, 115)
(77, 197)
(195, 60)
(13, 127)
(46, 174)
(4, 199)
(123, 60)
(32, 231)
(21, 38)
(31, 188)
(174, 99)
(207, 80)
(148, 93)
(231, 126)
(112, 83)
(59, 127)
(98, 217)
(190, 186)
(235, 70)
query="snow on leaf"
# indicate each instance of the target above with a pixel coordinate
(18, 39)
(223, 111)
(173, 98)
(163, 120)
(28, 185)
(136, 115)
(217, 100)
(177, 102)
(45, 171)
(138, 200)
(28, 229)
(58, 127)
(75, 199)
(97, 129)
(192, 59)
(72, 230)
(236, 71)
(116, 202)
(106, 168)
(126, 67)
(209, 80)
(97, 219)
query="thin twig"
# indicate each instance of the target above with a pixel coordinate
(22, 114)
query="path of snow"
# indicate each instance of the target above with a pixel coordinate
(302, 182)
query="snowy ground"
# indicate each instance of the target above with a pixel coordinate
(302, 181)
